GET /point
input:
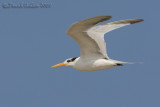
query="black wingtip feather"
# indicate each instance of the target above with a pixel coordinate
(136, 21)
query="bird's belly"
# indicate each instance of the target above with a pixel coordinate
(93, 66)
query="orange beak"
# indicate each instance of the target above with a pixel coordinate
(58, 65)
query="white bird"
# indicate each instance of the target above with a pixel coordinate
(90, 38)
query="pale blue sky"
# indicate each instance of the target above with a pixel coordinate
(33, 39)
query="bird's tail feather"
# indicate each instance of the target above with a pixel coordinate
(133, 63)
(122, 63)
(119, 63)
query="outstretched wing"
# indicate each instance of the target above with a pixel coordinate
(90, 38)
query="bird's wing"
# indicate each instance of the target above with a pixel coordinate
(90, 38)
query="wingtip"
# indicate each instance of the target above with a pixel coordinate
(103, 17)
(136, 21)
(108, 17)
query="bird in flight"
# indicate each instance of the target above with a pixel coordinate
(90, 38)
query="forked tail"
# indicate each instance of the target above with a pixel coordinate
(120, 63)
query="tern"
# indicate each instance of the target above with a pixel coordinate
(90, 38)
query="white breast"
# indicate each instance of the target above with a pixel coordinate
(93, 65)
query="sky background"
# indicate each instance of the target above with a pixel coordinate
(34, 39)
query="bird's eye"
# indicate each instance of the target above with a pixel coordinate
(68, 61)
(73, 58)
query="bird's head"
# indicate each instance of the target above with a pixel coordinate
(68, 62)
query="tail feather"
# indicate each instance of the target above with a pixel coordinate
(120, 63)
(133, 63)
